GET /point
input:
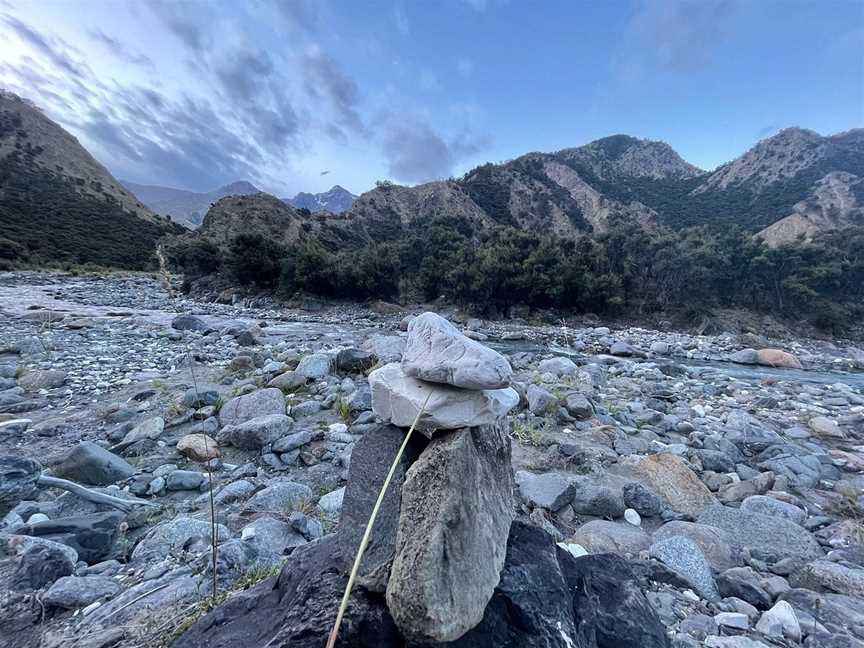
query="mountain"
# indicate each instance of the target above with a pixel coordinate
(186, 207)
(335, 201)
(59, 205)
(797, 182)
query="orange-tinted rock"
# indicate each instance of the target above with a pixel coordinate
(777, 358)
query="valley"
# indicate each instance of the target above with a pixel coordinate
(117, 368)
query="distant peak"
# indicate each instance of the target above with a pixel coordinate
(241, 186)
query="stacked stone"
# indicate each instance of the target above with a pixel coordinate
(443, 529)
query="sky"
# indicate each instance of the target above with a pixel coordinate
(299, 95)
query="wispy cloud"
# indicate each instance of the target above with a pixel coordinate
(677, 35)
(118, 49)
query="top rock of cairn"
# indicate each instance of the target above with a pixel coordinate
(438, 352)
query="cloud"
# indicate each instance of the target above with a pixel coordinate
(186, 29)
(400, 20)
(415, 152)
(326, 80)
(301, 15)
(119, 50)
(678, 35)
(53, 49)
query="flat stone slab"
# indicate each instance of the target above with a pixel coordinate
(397, 398)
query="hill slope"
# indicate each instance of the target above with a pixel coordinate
(186, 207)
(58, 204)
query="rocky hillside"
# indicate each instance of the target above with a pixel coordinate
(186, 207)
(335, 201)
(268, 216)
(796, 173)
(58, 204)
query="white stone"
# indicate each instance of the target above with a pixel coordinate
(632, 517)
(574, 549)
(780, 621)
(436, 351)
(397, 398)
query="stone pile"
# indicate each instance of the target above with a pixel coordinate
(446, 563)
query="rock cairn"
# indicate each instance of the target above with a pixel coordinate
(457, 497)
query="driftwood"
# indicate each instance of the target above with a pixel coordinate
(125, 505)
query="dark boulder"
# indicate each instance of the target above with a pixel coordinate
(297, 610)
(370, 461)
(92, 536)
(39, 566)
(546, 598)
(355, 360)
(17, 481)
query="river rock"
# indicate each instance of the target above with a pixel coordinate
(36, 379)
(92, 464)
(259, 403)
(198, 447)
(684, 557)
(255, 433)
(370, 462)
(280, 498)
(777, 358)
(457, 506)
(17, 481)
(824, 574)
(603, 536)
(780, 621)
(189, 323)
(669, 477)
(41, 564)
(150, 429)
(314, 366)
(770, 506)
(92, 535)
(436, 351)
(745, 356)
(776, 537)
(175, 534)
(73, 592)
(552, 491)
(559, 366)
(717, 545)
(397, 398)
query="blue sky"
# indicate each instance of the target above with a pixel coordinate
(299, 95)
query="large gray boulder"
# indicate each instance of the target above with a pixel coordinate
(175, 534)
(314, 366)
(17, 481)
(255, 433)
(370, 462)
(551, 490)
(397, 398)
(457, 507)
(718, 546)
(258, 403)
(148, 430)
(73, 592)
(436, 351)
(685, 558)
(773, 537)
(89, 463)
